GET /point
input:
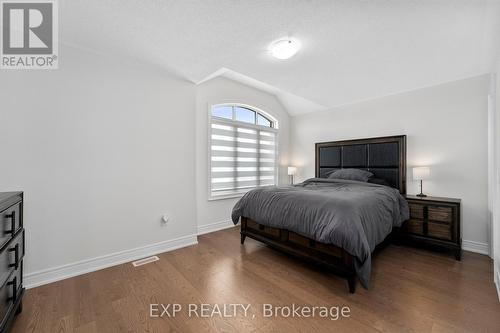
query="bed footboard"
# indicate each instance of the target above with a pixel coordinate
(333, 257)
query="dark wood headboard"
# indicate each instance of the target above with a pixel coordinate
(385, 157)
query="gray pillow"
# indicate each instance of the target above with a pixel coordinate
(351, 174)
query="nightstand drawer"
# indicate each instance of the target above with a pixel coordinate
(416, 211)
(438, 222)
(439, 230)
(440, 214)
(415, 226)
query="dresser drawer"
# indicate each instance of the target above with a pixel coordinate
(440, 214)
(414, 226)
(11, 256)
(9, 291)
(439, 230)
(10, 222)
(416, 211)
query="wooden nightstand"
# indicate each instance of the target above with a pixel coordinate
(434, 221)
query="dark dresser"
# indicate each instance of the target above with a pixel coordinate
(11, 257)
(435, 221)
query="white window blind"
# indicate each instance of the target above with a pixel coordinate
(242, 156)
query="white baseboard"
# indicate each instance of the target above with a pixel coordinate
(477, 247)
(49, 275)
(207, 228)
(54, 274)
(497, 284)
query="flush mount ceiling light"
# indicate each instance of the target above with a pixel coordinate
(284, 48)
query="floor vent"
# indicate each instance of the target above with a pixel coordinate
(145, 261)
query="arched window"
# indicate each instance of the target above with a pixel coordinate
(243, 150)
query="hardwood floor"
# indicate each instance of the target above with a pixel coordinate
(411, 290)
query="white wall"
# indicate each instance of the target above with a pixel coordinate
(495, 204)
(446, 128)
(215, 214)
(101, 149)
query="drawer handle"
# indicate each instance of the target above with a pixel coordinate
(13, 283)
(12, 218)
(15, 249)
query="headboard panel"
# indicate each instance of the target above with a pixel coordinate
(385, 157)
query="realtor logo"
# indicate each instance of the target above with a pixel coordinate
(29, 34)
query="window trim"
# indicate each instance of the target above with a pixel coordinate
(274, 128)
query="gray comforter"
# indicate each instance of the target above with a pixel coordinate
(355, 216)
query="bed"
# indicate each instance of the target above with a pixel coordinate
(334, 222)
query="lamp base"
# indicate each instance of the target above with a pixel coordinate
(421, 194)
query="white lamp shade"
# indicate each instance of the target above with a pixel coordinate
(292, 170)
(420, 173)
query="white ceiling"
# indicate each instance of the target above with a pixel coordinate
(352, 50)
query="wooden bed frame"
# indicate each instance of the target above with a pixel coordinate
(383, 156)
